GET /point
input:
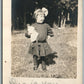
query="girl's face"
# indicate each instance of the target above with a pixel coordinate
(40, 18)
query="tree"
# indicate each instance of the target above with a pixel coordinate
(25, 8)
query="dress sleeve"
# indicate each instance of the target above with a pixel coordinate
(50, 32)
(26, 33)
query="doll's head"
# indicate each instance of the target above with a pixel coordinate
(40, 15)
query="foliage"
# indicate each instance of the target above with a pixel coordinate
(24, 9)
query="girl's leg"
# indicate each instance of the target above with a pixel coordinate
(43, 63)
(35, 62)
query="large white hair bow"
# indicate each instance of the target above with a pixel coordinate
(45, 11)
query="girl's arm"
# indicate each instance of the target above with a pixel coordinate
(50, 32)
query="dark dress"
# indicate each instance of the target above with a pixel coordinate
(41, 47)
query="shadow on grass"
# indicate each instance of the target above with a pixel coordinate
(49, 59)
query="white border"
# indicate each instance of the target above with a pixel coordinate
(7, 52)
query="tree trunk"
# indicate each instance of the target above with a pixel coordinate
(24, 17)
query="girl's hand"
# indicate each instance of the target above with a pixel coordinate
(26, 35)
(48, 37)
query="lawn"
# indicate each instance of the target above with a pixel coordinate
(63, 64)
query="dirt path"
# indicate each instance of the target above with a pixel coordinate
(61, 65)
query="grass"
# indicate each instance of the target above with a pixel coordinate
(61, 65)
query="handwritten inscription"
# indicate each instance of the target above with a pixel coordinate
(14, 81)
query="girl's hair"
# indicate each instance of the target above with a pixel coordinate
(36, 13)
(43, 11)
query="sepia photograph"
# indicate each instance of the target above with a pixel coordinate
(44, 38)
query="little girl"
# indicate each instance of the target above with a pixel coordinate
(39, 47)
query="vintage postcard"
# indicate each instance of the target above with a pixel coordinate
(42, 42)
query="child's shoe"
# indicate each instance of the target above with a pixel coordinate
(35, 67)
(44, 70)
